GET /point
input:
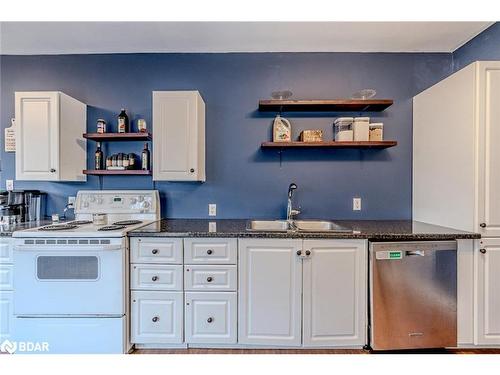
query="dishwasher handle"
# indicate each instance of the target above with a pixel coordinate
(411, 253)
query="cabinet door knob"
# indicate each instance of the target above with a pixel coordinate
(191, 170)
(154, 251)
(210, 320)
(299, 252)
(52, 170)
(209, 279)
(482, 225)
(308, 252)
(154, 278)
(210, 251)
(155, 319)
(482, 251)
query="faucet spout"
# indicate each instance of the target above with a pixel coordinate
(290, 211)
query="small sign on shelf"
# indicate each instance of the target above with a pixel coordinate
(10, 137)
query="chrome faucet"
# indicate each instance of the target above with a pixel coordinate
(290, 211)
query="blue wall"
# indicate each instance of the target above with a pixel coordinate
(242, 179)
(485, 46)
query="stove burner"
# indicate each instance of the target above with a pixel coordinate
(111, 227)
(58, 227)
(127, 222)
(80, 222)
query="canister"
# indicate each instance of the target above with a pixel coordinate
(361, 129)
(376, 131)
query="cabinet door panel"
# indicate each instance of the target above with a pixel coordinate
(488, 292)
(6, 314)
(211, 317)
(270, 276)
(37, 139)
(489, 152)
(335, 293)
(156, 317)
(178, 130)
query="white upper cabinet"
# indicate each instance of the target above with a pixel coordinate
(178, 136)
(49, 140)
(456, 161)
(270, 284)
(334, 294)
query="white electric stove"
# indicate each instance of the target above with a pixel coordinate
(71, 279)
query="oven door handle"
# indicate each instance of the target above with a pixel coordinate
(53, 248)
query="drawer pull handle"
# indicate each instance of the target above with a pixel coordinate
(155, 319)
(154, 251)
(210, 279)
(482, 225)
(482, 251)
(210, 251)
(210, 320)
(154, 278)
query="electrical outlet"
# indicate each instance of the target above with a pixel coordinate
(71, 201)
(212, 209)
(356, 204)
(9, 185)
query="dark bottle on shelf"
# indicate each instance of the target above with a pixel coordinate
(145, 163)
(99, 158)
(123, 124)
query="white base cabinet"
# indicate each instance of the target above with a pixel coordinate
(211, 317)
(270, 274)
(310, 293)
(487, 272)
(334, 293)
(49, 137)
(156, 317)
(6, 289)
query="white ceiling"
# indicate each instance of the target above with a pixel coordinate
(30, 38)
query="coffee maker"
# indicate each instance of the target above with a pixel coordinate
(19, 206)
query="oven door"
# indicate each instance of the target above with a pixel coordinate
(60, 280)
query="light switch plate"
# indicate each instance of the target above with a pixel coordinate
(356, 204)
(9, 185)
(212, 209)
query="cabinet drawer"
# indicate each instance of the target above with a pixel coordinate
(156, 317)
(210, 250)
(211, 317)
(6, 255)
(6, 276)
(210, 277)
(156, 277)
(156, 250)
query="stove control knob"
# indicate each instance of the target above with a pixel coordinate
(145, 204)
(133, 200)
(92, 198)
(85, 204)
(99, 200)
(141, 198)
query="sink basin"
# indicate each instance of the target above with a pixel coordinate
(299, 225)
(319, 226)
(268, 225)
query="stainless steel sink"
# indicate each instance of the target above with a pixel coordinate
(268, 225)
(297, 225)
(320, 226)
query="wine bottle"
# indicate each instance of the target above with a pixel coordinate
(99, 157)
(123, 125)
(145, 158)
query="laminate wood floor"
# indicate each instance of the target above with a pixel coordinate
(306, 351)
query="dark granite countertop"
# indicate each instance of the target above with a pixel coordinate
(375, 230)
(7, 230)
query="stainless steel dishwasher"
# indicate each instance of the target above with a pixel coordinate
(413, 295)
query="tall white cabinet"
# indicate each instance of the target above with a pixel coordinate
(49, 136)
(179, 136)
(456, 176)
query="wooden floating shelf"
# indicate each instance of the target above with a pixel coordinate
(128, 172)
(332, 144)
(323, 105)
(102, 137)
